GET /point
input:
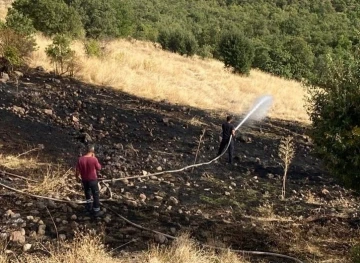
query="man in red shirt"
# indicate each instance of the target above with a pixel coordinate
(86, 170)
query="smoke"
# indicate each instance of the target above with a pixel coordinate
(258, 110)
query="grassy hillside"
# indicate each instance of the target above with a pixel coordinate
(143, 69)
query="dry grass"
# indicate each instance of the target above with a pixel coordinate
(53, 181)
(13, 162)
(88, 248)
(144, 70)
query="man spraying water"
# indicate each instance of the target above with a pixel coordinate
(228, 134)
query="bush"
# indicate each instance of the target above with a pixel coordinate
(15, 46)
(334, 109)
(237, 52)
(93, 48)
(178, 41)
(61, 55)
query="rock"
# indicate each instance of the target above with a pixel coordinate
(153, 177)
(73, 205)
(159, 168)
(3, 236)
(74, 119)
(23, 232)
(161, 239)
(166, 120)
(62, 237)
(18, 74)
(173, 230)
(51, 204)
(107, 219)
(73, 217)
(17, 236)
(41, 230)
(18, 109)
(27, 247)
(143, 197)
(64, 222)
(144, 172)
(173, 200)
(9, 213)
(30, 218)
(41, 205)
(48, 111)
(131, 203)
(4, 77)
(227, 193)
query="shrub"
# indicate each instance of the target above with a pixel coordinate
(93, 48)
(61, 55)
(178, 41)
(237, 52)
(15, 46)
(334, 109)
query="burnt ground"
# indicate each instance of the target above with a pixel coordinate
(237, 206)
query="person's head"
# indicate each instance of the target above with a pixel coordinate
(91, 148)
(229, 118)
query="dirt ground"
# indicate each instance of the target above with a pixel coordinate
(236, 206)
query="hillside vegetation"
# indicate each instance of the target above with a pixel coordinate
(288, 38)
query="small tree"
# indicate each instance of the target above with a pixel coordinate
(334, 109)
(286, 154)
(179, 41)
(237, 52)
(15, 46)
(61, 54)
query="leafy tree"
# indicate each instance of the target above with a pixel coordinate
(51, 16)
(15, 46)
(178, 40)
(334, 109)
(61, 54)
(19, 22)
(103, 17)
(237, 52)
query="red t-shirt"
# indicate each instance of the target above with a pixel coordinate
(87, 166)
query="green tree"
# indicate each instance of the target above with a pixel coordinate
(51, 16)
(334, 109)
(61, 54)
(104, 17)
(177, 40)
(237, 52)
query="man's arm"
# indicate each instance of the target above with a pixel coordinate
(97, 165)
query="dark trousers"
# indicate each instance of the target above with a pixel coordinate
(230, 150)
(91, 188)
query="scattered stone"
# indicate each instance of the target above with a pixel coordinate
(173, 230)
(3, 236)
(227, 193)
(9, 213)
(51, 204)
(107, 219)
(64, 222)
(18, 109)
(144, 172)
(4, 77)
(73, 217)
(143, 197)
(18, 74)
(62, 237)
(74, 119)
(48, 111)
(161, 239)
(17, 236)
(159, 168)
(40, 69)
(41, 205)
(173, 200)
(41, 230)
(27, 247)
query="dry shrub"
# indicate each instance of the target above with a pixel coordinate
(185, 250)
(53, 181)
(13, 162)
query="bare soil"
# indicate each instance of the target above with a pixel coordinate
(236, 206)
